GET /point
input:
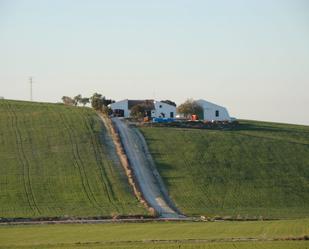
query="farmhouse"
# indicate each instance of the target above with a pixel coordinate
(158, 109)
(213, 112)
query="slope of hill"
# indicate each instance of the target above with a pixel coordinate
(55, 162)
(258, 169)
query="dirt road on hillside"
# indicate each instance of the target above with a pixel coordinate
(144, 170)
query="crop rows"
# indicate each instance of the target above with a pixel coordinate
(259, 170)
(55, 162)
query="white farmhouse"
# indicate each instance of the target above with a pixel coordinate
(158, 109)
(163, 110)
(213, 112)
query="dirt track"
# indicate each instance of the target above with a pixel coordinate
(145, 171)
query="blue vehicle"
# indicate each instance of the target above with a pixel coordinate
(163, 120)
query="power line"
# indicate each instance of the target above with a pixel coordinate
(31, 82)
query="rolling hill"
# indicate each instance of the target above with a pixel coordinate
(257, 170)
(56, 161)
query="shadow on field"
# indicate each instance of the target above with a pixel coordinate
(164, 170)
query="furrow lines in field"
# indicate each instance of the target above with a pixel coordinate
(36, 147)
(83, 168)
(189, 167)
(79, 163)
(24, 162)
(95, 145)
(169, 147)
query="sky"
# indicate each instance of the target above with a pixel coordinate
(249, 56)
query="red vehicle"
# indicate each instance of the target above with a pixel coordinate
(194, 117)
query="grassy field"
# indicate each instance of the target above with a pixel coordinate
(158, 235)
(257, 170)
(217, 245)
(54, 162)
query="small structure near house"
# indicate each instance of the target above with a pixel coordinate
(158, 109)
(213, 112)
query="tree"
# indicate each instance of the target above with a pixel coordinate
(169, 102)
(84, 101)
(107, 102)
(68, 100)
(98, 101)
(77, 99)
(138, 111)
(190, 107)
(141, 110)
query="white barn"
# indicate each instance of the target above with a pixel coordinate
(213, 112)
(158, 109)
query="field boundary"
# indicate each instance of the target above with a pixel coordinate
(156, 173)
(179, 241)
(143, 169)
(125, 163)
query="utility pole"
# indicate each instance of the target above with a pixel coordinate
(31, 81)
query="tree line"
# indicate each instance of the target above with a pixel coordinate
(188, 108)
(97, 101)
(100, 103)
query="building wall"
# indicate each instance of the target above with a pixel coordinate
(164, 108)
(122, 105)
(160, 108)
(210, 110)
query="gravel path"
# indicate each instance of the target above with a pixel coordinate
(145, 171)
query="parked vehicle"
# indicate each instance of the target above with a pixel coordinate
(163, 120)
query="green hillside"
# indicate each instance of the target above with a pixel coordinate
(257, 169)
(54, 162)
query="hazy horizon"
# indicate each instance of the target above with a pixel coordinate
(249, 56)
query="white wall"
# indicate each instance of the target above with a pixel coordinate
(122, 105)
(210, 111)
(161, 107)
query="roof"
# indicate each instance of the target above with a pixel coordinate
(205, 102)
(148, 102)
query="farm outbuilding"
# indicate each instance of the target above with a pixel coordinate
(158, 109)
(213, 112)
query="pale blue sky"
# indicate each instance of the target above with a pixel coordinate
(250, 56)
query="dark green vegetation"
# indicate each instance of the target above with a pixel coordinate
(54, 162)
(158, 235)
(258, 169)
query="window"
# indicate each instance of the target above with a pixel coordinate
(160, 106)
(172, 114)
(217, 113)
